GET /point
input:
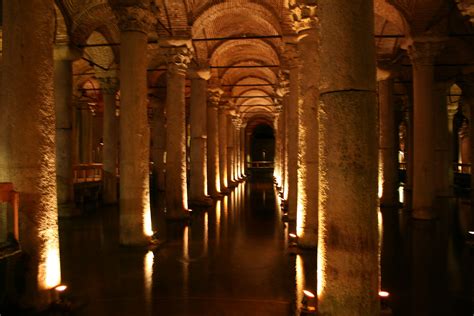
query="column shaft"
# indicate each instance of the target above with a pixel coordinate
(423, 141)
(198, 176)
(348, 247)
(230, 150)
(158, 140)
(135, 222)
(212, 150)
(222, 134)
(28, 112)
(176, 173)
(388, 146)
(64, 159)
(308, 145)
(110, 153)
(293, 124)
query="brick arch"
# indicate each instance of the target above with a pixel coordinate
(232, 19)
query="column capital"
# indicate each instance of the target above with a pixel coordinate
(237, 121)
(283, 84)
(178, 58)
(278, 103)
(467, 8)
(109, 85)
(290, 56)
(424, 52)
(303, 15)
(214, 96)
(134, 19)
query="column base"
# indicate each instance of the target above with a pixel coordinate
(204, 201)
(424, 214)
(68, 210)
(232, 184)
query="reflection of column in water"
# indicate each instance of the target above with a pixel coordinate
(206, 233)
(226, 217)
(218, 222)
(186, 260)
(285, 236)
(148, 276)
(299, 282)
(264, 197)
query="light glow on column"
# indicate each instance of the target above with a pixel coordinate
(380, 177)
(49, 271)
(218, 221)
(321, 253)
(147, 227)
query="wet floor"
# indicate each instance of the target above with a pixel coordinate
(231, 259)
(235, 259)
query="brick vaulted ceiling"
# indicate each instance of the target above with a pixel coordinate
(218, 28)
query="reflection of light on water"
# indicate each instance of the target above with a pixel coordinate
(148, 274)
(401, 197)
(49, 274)
(186, 260)
(299, 281)
(206, 233)
(218, 221)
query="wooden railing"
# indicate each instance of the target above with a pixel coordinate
(88, 173)
(260, 164)
(10, 196)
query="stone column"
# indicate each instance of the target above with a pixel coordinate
(388, 146)
(285, 140)
(348, 246)
(214, 188)
(85, 134)
(276, 132)
(308, 145)
(63, 58)
(282, 91)
(443, 163)
(243, 152)
(198, 177)
(135, 219)
(293, 123)
(230, 151)
(179, 57)
(109, 86)
(158, 140)
(237, 167)
(222, 135)
(422, 56)
(29, 146)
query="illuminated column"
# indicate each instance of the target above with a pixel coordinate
(422, 56)
(198, 173)
(283, 90)
(243, 152)
(222, 135)
(158, 140)
(276, 131)
(28, 113)
(293, 98)
(63, 58)
(388, 145)
(308, 145)
(230, 151)
(348, 261)
(468, 93)
(135, 220)
(213, 174)
(176, 178)
(109, 86)
(237, 123)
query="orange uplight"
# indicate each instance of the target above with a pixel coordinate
(384, 294)
(471, 232)
(308, 294)
(60, 288)
(293, 235)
